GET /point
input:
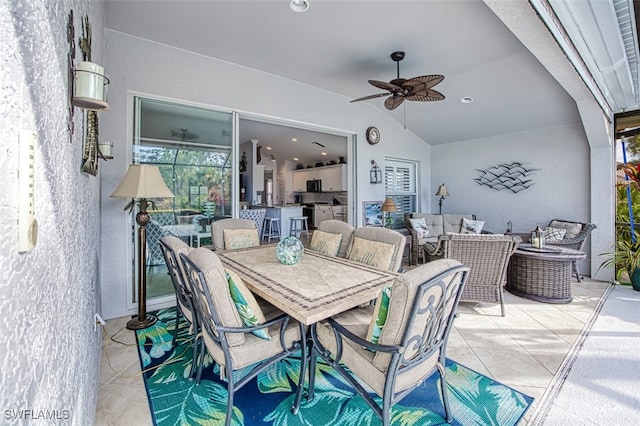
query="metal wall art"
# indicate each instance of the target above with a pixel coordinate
(514, 177)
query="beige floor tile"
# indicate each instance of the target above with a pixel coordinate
(514, 368)
(120, 405)
(523, 350)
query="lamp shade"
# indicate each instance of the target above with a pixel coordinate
(389, 206)
(442, 191)
(143, 181)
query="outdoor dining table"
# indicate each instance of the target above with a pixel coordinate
(312, 290)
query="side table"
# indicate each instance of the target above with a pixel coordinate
(543, 274)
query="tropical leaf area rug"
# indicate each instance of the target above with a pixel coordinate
(175, 399)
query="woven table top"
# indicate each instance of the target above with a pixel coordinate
(312, 290)
(550, 252)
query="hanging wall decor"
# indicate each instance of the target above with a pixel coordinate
(90, 152)
(514, 177)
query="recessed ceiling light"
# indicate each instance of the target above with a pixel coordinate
(299, 5)
(269, 148)
(324, 153)
(466, 100)
(294, 140)
(295, 158)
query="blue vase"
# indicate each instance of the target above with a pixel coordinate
(290, 251)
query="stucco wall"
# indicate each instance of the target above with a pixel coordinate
(146, 67)
(49, 295)
(561, 187)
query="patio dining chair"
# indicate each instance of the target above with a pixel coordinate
(237, 226)
(381, 248)
(237, 331)
(171, 248)
(488, 257)
(396, 353)
(333, 226)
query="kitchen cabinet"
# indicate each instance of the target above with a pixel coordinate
(321, 213)
(334, 178)
(337, 177)
(300, 178)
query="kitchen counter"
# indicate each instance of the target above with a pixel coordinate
(283, 211)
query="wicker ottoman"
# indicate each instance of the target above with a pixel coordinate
(543, 274)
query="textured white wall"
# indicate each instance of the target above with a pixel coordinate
(142, 66)
(48, 296)
(561, 189)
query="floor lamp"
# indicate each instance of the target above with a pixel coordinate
(442, 192)
(141, 182)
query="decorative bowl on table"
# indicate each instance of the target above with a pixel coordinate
(290, 251)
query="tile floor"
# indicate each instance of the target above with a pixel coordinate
(524, 349)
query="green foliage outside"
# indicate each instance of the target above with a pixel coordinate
(195, 176)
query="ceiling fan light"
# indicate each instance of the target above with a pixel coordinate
(299, 5)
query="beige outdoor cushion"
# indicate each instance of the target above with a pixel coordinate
(255, 349)
(573, 229)
(240, 238)
(372, 253)
(453, 222)
(387, 236)
(339, 227)
(218, 227)
(371, 366)
(325, 242)
(434, 222)
(215, 276)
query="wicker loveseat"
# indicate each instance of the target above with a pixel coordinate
(438, 224)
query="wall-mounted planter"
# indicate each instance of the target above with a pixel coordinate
(90, 87)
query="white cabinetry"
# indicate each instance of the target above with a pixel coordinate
(338, 178)
(322, 213)
(334, 178)
(300, 178)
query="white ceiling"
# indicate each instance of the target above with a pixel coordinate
(339, 45)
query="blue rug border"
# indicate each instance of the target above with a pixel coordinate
(448, 361)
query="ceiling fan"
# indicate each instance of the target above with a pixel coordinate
(412, 89)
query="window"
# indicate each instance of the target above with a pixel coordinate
(400, 185)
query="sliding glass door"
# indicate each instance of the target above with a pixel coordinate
(193, 148)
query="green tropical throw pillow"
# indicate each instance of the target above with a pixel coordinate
(250, 316)
(379, 316)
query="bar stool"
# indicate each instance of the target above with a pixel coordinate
(299, 225)
(271, 228)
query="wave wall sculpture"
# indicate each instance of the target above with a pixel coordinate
(514, 176)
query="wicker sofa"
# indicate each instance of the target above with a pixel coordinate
(438, 224)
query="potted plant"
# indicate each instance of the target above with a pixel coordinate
(625, 258)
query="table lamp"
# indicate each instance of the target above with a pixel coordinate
(442, 192)
(388, 207)
(141, 182)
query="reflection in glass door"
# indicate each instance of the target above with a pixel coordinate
(193, 148)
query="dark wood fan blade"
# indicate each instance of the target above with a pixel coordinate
(370, 97)
(384, 85)
(393, 102)
(428, 96)
(428, 80)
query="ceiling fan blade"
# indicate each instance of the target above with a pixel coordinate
(428, 96)
(370, 97)
(428, 80)
(414, 87)
(384, 85)
(393, 102)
